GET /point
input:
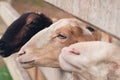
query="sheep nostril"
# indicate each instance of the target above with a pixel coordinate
(21, 54)
(75, 52)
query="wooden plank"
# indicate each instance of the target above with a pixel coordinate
(2, 26)
(104, 14)
(8, 14)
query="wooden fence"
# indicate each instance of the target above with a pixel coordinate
(8, 14)
(104, 14)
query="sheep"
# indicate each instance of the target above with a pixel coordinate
(21, 30)
(94, 60)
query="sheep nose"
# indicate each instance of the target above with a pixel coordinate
(74, 51)
(70, 50)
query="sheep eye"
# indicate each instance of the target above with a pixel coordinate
(34, 22)
(61, 36)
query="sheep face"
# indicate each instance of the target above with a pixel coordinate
(92, 60)
(21, 30)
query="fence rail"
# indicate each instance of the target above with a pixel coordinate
(104, 14)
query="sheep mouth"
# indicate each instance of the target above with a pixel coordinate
(71, 64)
(28, 62)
